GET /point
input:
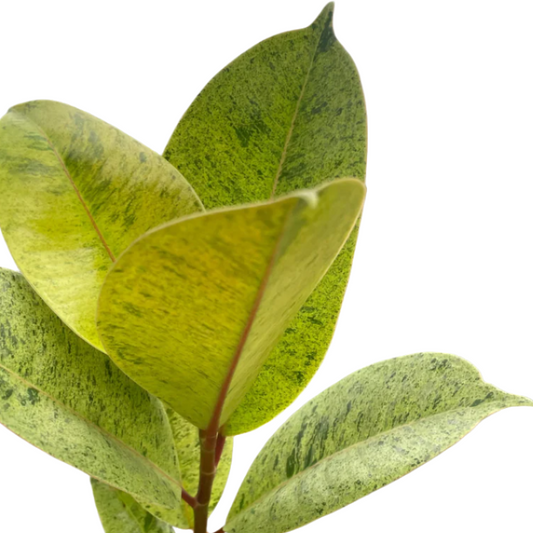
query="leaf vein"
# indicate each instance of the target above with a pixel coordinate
(76, 190)
(89, 422)
(295, 115)
(356, 445)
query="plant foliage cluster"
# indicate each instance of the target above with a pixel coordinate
(169, 303)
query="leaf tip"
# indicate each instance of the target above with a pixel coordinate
(323, 25)
(524, 401)
(329, 8)
(326, 15)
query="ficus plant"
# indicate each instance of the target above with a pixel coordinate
(167, 304)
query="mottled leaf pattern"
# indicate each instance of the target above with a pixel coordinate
(190, 299)
(75, 193)
(120, 513)
(287, 114)
(300, 351)
(70, 400)
(362, 433)
(177, 516)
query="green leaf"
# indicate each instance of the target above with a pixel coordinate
(71, 401)
(187, 440)
(364, 432)
(287, 114)
(192, 309)
(120, 513)
(75, 193)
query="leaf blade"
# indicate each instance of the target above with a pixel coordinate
(75, 192)
(68, 399)
(362, 433)
(271, 95)
(194, 301)
(306, 339)
(120, 513)
(287, 114)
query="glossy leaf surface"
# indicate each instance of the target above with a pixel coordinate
(287, 114)
(362, 433)
(192, 309)
(75, 192)
(71, 401)
(120, 513)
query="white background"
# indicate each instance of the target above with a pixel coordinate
(445, 256)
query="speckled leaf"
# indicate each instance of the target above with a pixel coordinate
(362, 433)
(71, 401)
(75, 193)
(300, 351)
(177, 516)
(196, 306)
(287, 114)
(120, 513)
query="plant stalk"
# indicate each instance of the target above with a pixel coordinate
(221, 440)
(208, 469)
(187, 498)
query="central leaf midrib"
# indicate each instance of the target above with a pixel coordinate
(295, 114)
(348, 448)
(224, 391)
(242, 341)
(74, 186)
(99, 429)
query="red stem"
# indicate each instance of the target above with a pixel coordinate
(221, 440)
(185, 496)
(211, 440)
(208, 468)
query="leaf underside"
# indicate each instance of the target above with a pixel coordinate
(75, 192)
(362, 433)
(287, 114)
(71, 401)
(191, 299)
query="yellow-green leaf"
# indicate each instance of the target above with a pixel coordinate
(364, 432)
(287, 114)
(75, 193)
(120, 513)
(70, 400)
(192, 309)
